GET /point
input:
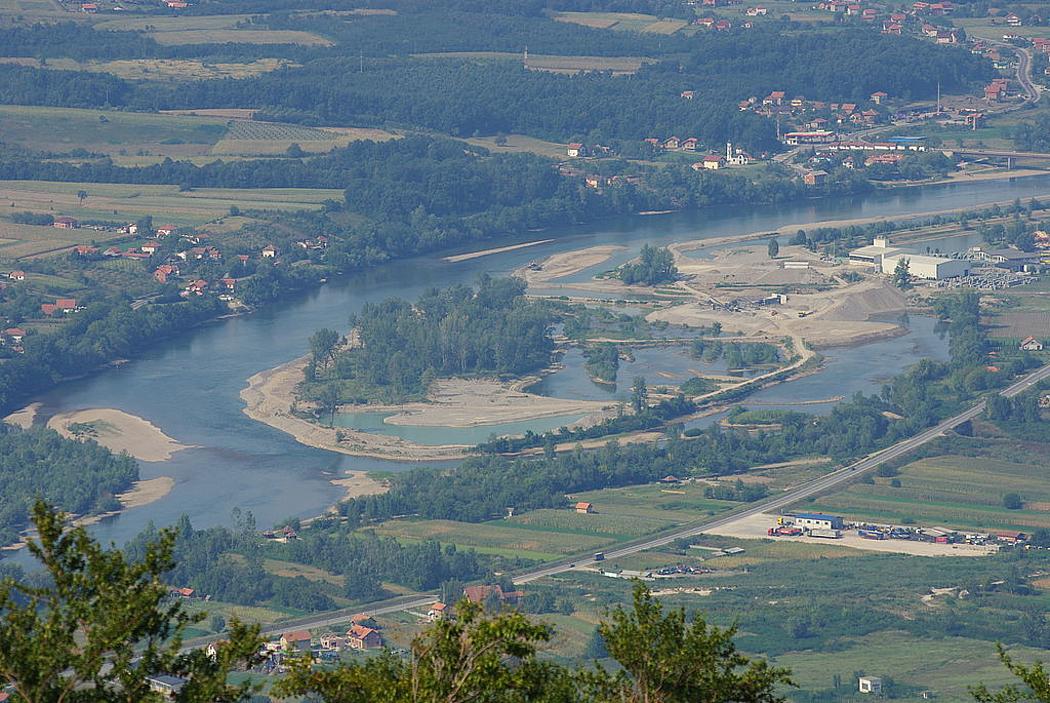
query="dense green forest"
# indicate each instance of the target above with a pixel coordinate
(79, 477)
(226, 563)
(401, 347)
(602, 361)
(465, 97)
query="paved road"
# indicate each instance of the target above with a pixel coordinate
(806, 490)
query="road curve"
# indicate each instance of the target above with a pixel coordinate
(806, 490)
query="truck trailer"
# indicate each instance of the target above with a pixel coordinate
(826, 534)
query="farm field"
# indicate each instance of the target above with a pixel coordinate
(550, 62)
(211, 29)
(23, 241)
(110, 202)
(621, 21)
(246, 138)
(160, 69)
(950, 491)
(947, 666)
(622, 514)
(33, 10)
(1018, 325)
(496, 537)
(56, 129)
(988, 28)
(520, 143)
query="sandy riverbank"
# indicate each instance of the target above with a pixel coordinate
(270, 394)
(141, 493)
(459, 402)
(23, 418)
(358, 483)
(497, 250)
(453, 402)
(567, 263)
(118, 431)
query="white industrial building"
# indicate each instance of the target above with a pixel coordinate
(872, 254)
(870, 684)
(882, 257)
(931, 268)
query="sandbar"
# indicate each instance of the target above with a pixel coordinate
(23, 418)
(118, 431)
(497, 250)
(358, 483)
(567, 263)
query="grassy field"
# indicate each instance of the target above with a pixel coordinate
(622, 514)
(991, 28)
(1018, 325)
(952, 491)
(211, 29)
(161, 69)
(550, 62)
(310, 573)
(947, 666)
(33, 10)
(622, 21)
(115, 202)
(56, 129)
(268, 139)
(519, 143)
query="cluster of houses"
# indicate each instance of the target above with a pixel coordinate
(815, 116)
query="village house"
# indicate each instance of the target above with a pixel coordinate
(672, 143)
(15, 334)
(48, 309)
(584, 508)
(690, 144)
(707, 22)
(230, 283)
(197, 287)
(164, 272)
(65, 223)
(167, 686)
(298, 641)
(66, 304)
(361, 637)
(150, 248)
(711, 162)
(774, 98)
(687, 94)
(479, 594)
(85, 250)
(269, 251)
(17, 275)
(1030, 344)
(166, 230)
(868, 15)
(723, 25)
(1013, 20)
(878, 96)
(182, 592)
(574, 150)
(756, 12)
(437, 611)
(815, 178)
(89, 7)
(333, 642)
(112, 252)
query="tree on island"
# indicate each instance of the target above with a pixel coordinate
(322, 346)
(655, 265)
(773, 248)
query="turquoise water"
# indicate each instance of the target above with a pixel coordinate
(373, 422)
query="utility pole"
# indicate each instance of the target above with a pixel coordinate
(525, 58)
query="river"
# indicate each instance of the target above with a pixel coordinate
(189, 387)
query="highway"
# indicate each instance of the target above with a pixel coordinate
(818, 485)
